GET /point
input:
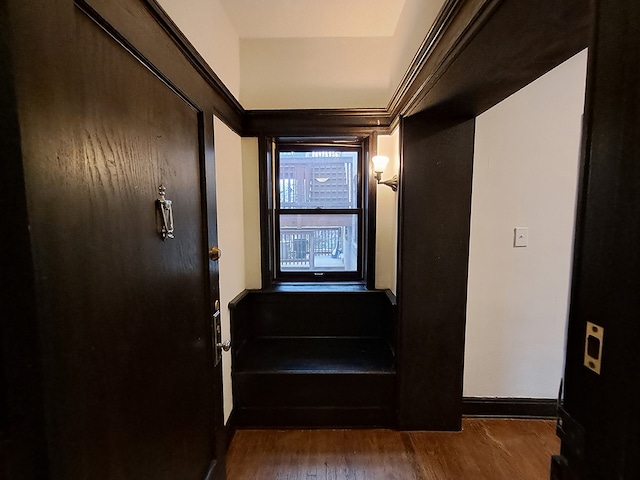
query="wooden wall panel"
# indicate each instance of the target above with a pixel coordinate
(479, 61)
(435, 209)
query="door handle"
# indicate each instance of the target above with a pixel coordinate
(214, 254)
(226, 345)
(217, 334)
(218, 344)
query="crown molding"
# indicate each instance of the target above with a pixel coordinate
(453, 29)
(311, 122)
(227, 107)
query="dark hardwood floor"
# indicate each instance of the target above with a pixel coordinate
(486, 449)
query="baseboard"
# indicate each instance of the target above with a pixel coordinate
(509, 407)
(230, 428)
(560, 469)
(315, 417)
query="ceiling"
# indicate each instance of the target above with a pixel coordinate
(301, 54)
(313, 18)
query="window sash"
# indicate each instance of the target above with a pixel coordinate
(318, 252)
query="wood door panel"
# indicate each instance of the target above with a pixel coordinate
(127, 343)
(176, 57)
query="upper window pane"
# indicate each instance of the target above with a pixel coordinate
(318, 179)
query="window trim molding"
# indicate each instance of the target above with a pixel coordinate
(268, 235)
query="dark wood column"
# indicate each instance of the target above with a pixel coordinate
(601, 420)
(435, 208)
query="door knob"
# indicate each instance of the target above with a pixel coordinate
(226, 346)
(214, 253)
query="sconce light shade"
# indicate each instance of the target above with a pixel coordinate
(380, 163)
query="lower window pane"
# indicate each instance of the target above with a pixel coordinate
(319, 243)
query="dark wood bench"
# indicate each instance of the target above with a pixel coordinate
(313, 358)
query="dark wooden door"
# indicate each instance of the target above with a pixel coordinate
(130, 386)
(600, 415)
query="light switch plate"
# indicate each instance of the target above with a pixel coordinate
(520, 236)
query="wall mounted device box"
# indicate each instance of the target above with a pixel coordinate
(520, 236)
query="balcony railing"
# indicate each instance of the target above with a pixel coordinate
(312, 249)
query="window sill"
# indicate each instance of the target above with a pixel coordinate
(318, 287)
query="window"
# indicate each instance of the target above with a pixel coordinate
(318, 212)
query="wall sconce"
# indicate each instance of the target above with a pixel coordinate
(379, 164)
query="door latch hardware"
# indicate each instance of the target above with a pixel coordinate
(226, 345)
(593, 347)
(214, 254)
(217, 337)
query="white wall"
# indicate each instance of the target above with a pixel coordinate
(250, 176)
(413, 25)
(279, 73)
(229, 197)
(294, 62)
(525, 174)
(387, 215)
(206, 25)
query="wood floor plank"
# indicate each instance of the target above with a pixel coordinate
(491, 449)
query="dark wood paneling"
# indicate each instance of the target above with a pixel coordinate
(266, 186)
(457, 20)
(317, 355)
(364, 313)
(484, 62)
(313, 390)
(314, 122)
(435, 208)
(606, 273)
(333, 417)
(370, 149)
(510, 407)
